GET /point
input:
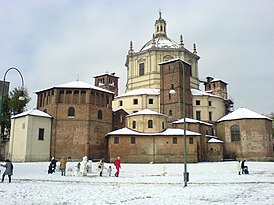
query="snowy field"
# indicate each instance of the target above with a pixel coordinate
(210, 183)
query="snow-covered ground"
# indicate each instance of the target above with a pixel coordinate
(210, 183)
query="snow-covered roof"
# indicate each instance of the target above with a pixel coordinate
(146, 112)
(106, 73)
(202, 93)
(32, 112)
(160, 42)
(78, 85)
(213, 79)
(214, 140)
(172, 60)
(169, 131)
(141, 91)
(189, 120)
(243, 113)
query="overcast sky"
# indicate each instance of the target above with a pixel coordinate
(53, 41)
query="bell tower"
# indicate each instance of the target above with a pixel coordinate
(107, 81)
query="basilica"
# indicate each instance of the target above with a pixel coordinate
(162, 106)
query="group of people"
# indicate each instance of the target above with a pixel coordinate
(117, 164)
(63, 162)
(241, 168)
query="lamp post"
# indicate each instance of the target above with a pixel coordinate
(172, 91)
(3, 90)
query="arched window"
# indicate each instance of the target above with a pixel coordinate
(134, 125)
(235, 133)
(71, 112)
(100, 115)
(150, 124)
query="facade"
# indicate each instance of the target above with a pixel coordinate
(215, 150)
(143, 70)
(150, 141)
(137, 100)
(82, 115)
(30, 136)
(246, 135)
(207, 107)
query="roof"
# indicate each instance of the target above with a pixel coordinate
(141, 91)
(78, 85)
(173, 60)
(189, 120)
(146, 112)
(214, 140)
(32, 112)
(243, 113)
(106, 73)
(160, 42)
(169, 131)
(202, 93)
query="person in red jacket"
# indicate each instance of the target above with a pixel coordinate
(117, 164)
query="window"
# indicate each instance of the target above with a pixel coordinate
(135, 101)
(198, 115)
(210, 116)
(150, 124)
(170, 113)
(150, 101)
(116, 140)
(41, 134)
(71, 112)
(174, 140)
(163, 125)
(198, 102)
(132, 140)
(190, 140)
(209, 103)
(23, 126)
(134, 125)
(100, 115)
(121, 103)
(141, 69)
(121, 119)
(235, 133)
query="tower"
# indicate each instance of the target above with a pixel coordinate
(108, 82)
(172, 90)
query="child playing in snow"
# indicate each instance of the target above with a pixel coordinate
(109, 170)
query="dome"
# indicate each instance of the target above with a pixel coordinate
(160, 42)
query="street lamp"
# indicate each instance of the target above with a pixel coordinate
(3, 90)
(172, 91)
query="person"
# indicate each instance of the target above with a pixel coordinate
(243, 166)
(117, 164)
(101, 166)
(109, 170)
(52, 165)
(239, 167)
(63, 164)
(8, 171)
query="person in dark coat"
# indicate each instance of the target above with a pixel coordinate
(52, 165)
(243, 166)
(8, 171)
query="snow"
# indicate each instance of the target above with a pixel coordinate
(169, 131)
(243, 113)
(190, 120)
(210, 183)
(214, 140)
(78, 85)
(202, 93)
(146, 112)
(32, 112)
(141, 91)
(160, 42)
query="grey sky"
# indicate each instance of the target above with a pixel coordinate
(51, 42)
